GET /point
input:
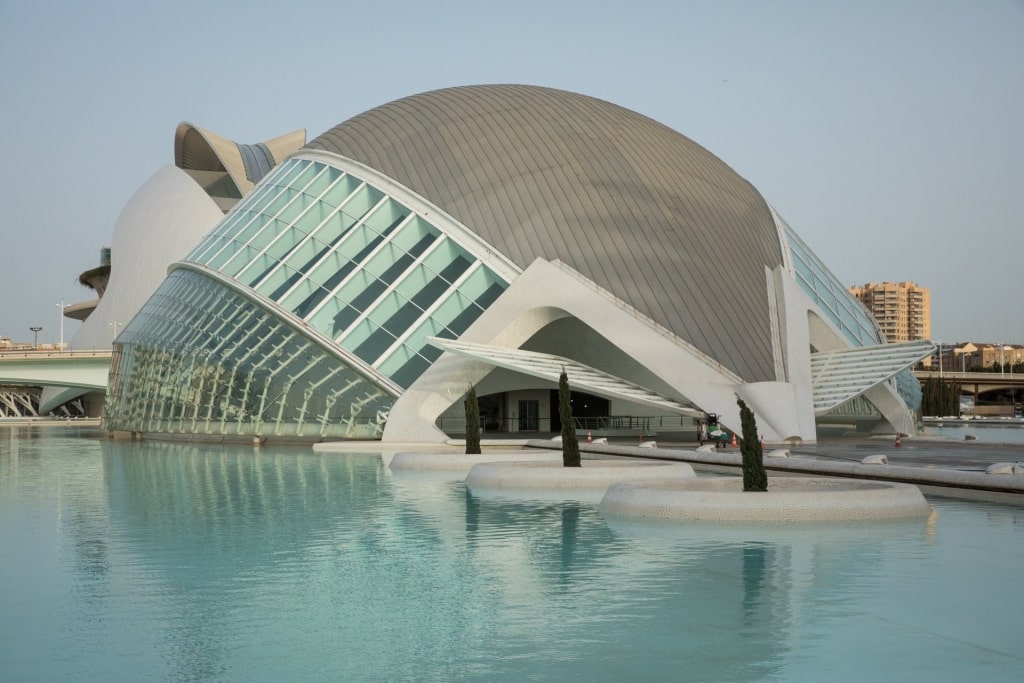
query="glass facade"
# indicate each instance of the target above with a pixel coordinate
(848, 314)
(842, 308)
(323, 291)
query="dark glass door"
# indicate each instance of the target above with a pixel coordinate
(529, 413)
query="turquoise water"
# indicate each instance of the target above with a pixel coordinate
(988, 431)
(174, 562)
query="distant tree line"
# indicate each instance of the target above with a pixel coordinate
(996, 366)
(940, 398)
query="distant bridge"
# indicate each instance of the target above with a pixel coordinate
(89, 370)
(976, 382)
(980, 381)
(78, 369)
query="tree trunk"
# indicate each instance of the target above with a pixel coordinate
(755, 478)
(472, 422)
(570, 446)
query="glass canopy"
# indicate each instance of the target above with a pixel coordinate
(843, 309)
(318, 287)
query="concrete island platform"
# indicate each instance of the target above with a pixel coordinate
(938, 466)
(958, 469)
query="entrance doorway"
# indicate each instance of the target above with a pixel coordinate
(492, 414)
(529, 416)
(587, 410)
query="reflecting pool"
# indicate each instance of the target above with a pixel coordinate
(124, 561)
(985, 431)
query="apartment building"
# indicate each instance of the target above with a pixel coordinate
(902, 309)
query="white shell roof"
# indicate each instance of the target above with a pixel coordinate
(638, 208)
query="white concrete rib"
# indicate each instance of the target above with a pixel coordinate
(549, 367)
(838, 376)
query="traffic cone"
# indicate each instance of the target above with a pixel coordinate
(589, 439)
(734, 439)
(898, 442)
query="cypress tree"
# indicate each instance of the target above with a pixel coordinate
(755, 478)
(472, 422)
(930, 397)
(952, 399)
(940, 398)
(570, 446)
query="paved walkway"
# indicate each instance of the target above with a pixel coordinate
(914, 452)
(937, 466)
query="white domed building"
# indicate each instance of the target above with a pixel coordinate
(161, 221)
(491, 236)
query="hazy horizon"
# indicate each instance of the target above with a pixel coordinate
(888, 135)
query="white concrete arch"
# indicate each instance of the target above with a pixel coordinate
(543, 294)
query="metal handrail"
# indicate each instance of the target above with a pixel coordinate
(641, 424)
(54, 353)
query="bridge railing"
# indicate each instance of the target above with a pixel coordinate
(54, 353)
(971, 376)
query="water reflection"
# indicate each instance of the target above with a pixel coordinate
(231, 563)
(680, 601)
(755, 564)
(208, 527)
(570, 531)
(458, 575)
(776, 588)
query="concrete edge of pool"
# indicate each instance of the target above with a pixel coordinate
(462, 463)
(972, 485)
(550, 474)
(1004, 488)
(788, 499)
(551, 481)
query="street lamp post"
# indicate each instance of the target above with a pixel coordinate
(1013, 393)
(61, 307)
(115, 325)
(36, 330)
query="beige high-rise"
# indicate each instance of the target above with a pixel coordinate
(903, 310)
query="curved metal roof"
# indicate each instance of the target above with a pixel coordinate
(640, 209)
(198, 149)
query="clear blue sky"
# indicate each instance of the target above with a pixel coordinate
(889, 134)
